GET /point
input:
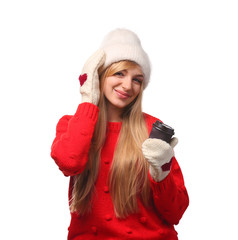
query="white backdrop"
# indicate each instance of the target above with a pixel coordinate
(193, 49)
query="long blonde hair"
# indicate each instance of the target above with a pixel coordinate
(128, 176)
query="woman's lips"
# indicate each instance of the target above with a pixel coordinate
(122, 94)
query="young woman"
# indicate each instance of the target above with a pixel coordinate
(118, 186)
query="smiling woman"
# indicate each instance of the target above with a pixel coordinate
(121, 84)
(118, 185)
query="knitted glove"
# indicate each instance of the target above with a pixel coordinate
(89, 80)
(159, 154)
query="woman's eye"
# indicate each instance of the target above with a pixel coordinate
(137, 80)
(118, 74)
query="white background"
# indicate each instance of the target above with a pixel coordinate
(193, 49)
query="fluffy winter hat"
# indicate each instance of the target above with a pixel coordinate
(123, 44)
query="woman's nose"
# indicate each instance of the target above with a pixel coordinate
(126, 83)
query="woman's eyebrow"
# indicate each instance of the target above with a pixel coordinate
(139, 75)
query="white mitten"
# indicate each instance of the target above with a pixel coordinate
(89, 79)
(159, 155)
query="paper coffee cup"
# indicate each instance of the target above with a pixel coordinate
(161, 131)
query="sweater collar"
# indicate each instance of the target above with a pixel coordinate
(114, 126)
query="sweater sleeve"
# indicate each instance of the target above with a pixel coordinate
(71, 145)
(170, 195)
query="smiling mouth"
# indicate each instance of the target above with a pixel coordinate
(122, 94)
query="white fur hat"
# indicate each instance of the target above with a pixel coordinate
(123, 44)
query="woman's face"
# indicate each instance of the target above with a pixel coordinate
(123, 87)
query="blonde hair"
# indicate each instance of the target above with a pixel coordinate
(128, 176)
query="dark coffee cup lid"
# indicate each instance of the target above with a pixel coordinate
(163, 127)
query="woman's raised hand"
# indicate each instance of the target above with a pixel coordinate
(89, 79)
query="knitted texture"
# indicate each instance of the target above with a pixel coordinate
(169, 197)
(159, 155)
(89, 79)
(123, 44)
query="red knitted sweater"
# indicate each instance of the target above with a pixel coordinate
(70, 152)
